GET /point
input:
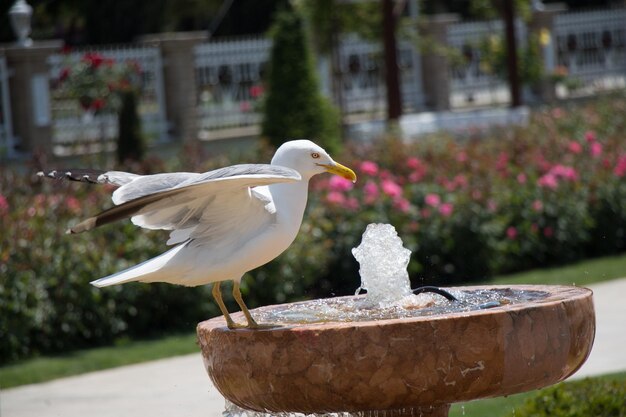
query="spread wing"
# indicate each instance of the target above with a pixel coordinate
(195, 205)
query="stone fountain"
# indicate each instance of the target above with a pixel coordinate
(410, 356)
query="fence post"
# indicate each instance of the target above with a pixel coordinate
(542, 26)
(177, 50)
(30, 100)
(435, 63)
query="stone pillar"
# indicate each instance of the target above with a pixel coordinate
(435, 65)
(29, 84)
(179, 79)
(541, 26)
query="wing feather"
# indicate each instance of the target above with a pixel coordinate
(190, 192)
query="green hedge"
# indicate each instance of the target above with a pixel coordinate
(589, 397)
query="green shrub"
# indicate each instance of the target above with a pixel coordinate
(589, 397)
(130, 143)
(294, 107)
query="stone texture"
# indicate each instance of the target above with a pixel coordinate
(403, 363)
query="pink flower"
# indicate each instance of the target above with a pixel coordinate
(557, 112)
(548, 181)
(73, 204)
(590, 136)
(502, 161)
(369, 168)
(413, 163)
(418, 169)
(337, 183)
(461, 157)
(352, 203)
(492, 206)
(391, 188)
(402, 204)
(371, 192)
(432, 200)
(548, 231)
(565, 172)
(595, 149)
(461, 180)
(575, 147)
(537, 205)
(511, 232)
(521, 178)
(4, 205)
(335, 197)
(620, 167)
(245, 106)
(446, 209)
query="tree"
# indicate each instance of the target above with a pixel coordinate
(294, 107)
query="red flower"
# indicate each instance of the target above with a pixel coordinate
(98, 104)
(65, 72)
(256, 91)
(93, 59)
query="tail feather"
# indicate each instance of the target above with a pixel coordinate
(152, 270)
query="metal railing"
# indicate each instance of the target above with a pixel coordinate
(591, 46)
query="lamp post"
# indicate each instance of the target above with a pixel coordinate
(20, 14)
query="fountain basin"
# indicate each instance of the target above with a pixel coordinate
(421, 362)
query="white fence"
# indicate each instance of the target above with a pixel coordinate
(592, 46)
(73, 126)
(229, 77)
(469, 78)
(361, 69)
(7, 141)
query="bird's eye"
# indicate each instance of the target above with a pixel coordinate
(315, 155)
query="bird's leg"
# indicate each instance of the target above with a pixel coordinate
(217, 294)
(252, 324)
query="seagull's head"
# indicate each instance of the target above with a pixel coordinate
(309, 159)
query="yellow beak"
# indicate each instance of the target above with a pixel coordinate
(338, 169)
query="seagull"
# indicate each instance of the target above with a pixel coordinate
(223, 223)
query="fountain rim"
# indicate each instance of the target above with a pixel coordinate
(554, 296)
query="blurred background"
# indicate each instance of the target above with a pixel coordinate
(489, 133)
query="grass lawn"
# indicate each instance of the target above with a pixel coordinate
(47, 368)
(124, 353)
(503, 407)
(582, 274)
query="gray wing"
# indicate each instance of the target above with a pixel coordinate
(182, 201)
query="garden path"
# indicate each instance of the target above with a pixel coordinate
(180, 387)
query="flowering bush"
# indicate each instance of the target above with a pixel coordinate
(520, 198)
(550, 193)
(98, 83)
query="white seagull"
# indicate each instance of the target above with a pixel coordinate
(223, 223)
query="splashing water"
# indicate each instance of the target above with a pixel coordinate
(383, 261)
